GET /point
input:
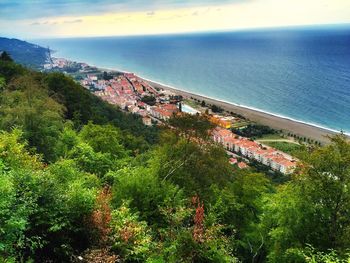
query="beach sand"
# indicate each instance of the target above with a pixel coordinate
(275, 122)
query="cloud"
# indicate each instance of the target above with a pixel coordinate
(164, 16)
(73, 21)
(43, 23)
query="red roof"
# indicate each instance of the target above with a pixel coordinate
(242, 165)
(222, 132)
(233, 160)
(232, 140)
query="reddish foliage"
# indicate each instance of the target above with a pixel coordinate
(127, 233)
(101, 217)
(198, 230)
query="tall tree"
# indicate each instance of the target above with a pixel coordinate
(26, 104)
(4, 56)
(313, 208)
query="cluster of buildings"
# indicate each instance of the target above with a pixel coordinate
(127, 91)
(164, 111)
(269, 156)
(62, 63)
(131, 93)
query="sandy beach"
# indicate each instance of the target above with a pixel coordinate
(276, 122)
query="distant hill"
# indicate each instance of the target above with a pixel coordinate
(24, 53)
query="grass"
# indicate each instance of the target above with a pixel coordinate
(274, 136)
(191, 103)
(289, 148)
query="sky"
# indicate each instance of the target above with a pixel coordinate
(79, 18)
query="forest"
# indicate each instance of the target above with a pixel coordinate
(82, 181)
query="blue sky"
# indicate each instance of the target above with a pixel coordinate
(73, 18)
(23, 9)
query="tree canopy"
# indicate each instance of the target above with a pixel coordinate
(80, 180)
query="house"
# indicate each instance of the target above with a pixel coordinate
(133, 109)
(219, 135)
(220, 121)
(92, 77)
(242, 165)
(164, 111)
(142, 112)
(268, 156)
(287, 166)
(147, 121)
(233, 160)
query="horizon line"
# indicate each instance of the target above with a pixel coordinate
(247, 29)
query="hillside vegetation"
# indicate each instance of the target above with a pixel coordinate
(25, 53)
(82, 181)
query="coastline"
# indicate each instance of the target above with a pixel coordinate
(265, 118)
(272, 120)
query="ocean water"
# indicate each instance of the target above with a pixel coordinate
(301, 73)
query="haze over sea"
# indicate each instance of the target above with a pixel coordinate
(300, 73)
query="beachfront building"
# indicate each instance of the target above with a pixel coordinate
(253, 150)
(222, 122)
(221, 136)
(163, 111)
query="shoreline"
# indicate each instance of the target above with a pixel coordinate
(275, 121)
(272, 120)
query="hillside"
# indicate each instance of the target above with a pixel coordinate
(24, 53)
(82, 181)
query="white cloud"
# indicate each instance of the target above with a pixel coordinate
(241, 15)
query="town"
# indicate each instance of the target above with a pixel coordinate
(156, 105)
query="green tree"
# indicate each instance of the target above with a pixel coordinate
(191, 237)
(9, 70)
(42, 210)
(4, 56)
(104, 139)
(192, 126)
(313, 207)
(146, 192)
(192, 166)
(131, 238)
(83, 106)
(2, 83)
(27, 105)
(150, 100)
(90, 161)
(237, 207)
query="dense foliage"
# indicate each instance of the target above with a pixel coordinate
(25, 53)
(254, 131)
(82, 180)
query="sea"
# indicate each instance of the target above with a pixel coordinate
(299, 73)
